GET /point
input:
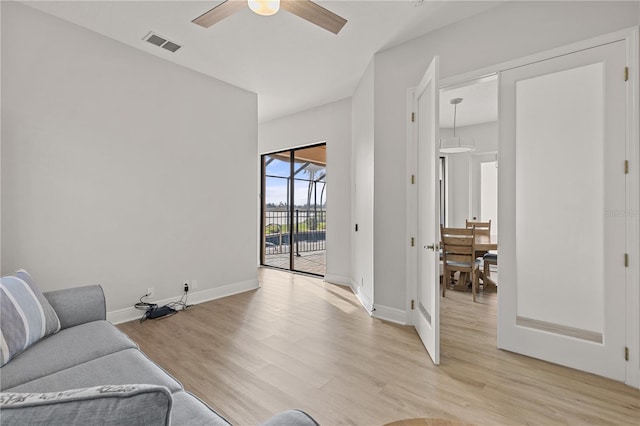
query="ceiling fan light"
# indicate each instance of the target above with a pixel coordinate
(264, 7)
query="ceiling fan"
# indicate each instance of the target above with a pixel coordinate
(305, 9)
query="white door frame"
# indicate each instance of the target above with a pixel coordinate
(631, 37)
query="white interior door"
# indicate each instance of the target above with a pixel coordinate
(562, 185)
(426, 313)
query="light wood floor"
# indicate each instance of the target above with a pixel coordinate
(298, 342)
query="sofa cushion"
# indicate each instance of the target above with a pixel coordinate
(25, 315)
(107, 405)
(69, 347)
(128, 366)
(189, 410)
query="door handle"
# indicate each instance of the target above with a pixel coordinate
(433, 247)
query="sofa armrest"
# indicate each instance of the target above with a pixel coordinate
(79, 305)
(106, 405)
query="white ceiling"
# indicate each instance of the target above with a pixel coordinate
(290, 63)
(479, 103)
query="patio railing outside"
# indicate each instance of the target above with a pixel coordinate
(309, 231)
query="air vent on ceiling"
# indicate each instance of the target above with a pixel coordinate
(160, 41)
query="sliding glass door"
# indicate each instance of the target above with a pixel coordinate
(276, 217)
(293, 210)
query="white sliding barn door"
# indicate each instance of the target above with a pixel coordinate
(562, 188)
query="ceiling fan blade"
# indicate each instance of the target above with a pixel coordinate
(218, 13)
(315, 14)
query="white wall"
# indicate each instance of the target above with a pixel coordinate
(459, 168)
(362, 189)
(509, 31)
(329, 123)
(120, 168)
(0, 149)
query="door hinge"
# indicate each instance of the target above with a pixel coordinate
(413, 117)
(413, 304)
(626, 73)
(626, 260)
(413, 242)
(413, 179)
(626, 349)
(626, 167)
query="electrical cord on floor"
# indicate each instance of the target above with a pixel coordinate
(182, 303)
(144, 306)
(174, 307)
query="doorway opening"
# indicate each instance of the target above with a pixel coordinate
(477, 120)
(293, 211)
(470, 179)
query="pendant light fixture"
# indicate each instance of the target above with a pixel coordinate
(456, 144)
(264, 7)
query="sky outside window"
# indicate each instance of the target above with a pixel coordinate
(277, 172)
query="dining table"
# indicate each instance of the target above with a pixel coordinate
(484, 243)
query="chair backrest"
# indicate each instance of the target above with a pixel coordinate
(482, 228)
(458, 244)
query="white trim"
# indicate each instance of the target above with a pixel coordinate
(633, 211)
(386, 313)
(195, 297)
(338, 279)
(537, 57)
(362, 297)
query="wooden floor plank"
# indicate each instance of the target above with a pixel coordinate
(298, 342)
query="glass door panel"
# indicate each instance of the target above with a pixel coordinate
(294, 210)
(276, 217)
(309, 221)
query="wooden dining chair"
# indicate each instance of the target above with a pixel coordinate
(482, 228)
(488, 260)
(458, 246)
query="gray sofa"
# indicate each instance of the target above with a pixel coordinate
(91, 373)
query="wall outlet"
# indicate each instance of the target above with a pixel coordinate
(150, 292)
(186, 285)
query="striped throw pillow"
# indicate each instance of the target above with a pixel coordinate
(25, 315)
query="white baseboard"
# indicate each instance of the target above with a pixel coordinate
(195, 297)
(363, 298)
(337, 279)
(390, 314)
